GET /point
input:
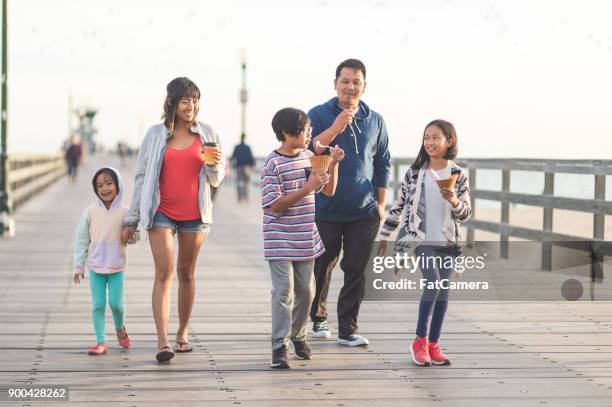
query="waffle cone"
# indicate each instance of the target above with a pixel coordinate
(320, 163)
(448, 183)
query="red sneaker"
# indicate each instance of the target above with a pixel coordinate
(436, 355)
(419, 352)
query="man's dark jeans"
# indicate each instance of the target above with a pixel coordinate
(356, 238)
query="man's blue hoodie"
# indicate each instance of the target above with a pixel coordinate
(365, 166)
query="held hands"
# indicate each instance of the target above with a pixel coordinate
(449, 195)
(127, 235)
(343, 120)
(337, 154)
(317, 180)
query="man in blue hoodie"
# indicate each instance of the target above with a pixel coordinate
(350, 219)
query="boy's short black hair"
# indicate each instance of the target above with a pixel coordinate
(289, 120)
(108, 171)
(353, 64)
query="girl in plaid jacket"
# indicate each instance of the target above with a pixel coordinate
(435, 198)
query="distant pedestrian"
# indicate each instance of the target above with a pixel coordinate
(243, 163)
(122, 152)
(73, 155)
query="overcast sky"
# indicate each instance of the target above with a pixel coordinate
(517, 78)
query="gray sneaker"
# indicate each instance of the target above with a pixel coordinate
(353, 340)
(280, 360)
(302, 350)
(320, 330)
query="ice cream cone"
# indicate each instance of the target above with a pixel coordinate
(448, 183)
(320, 163)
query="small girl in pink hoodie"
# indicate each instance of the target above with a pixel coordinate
(98, 242)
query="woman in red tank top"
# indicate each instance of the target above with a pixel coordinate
(179, 212)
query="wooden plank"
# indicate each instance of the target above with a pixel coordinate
(595, 167)
(539, 235)
(472, 181)
(599, 218)
(25, 191)
(505, 213)
(591, 167)
(547, 223)
(586, 166)
(397, 179)
(597, 273)
(504, 353)
(36, 170)
(596, 206)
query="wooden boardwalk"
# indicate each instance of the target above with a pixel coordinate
(504, 354)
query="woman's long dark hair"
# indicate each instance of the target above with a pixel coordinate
(451, 137)
(177, 89)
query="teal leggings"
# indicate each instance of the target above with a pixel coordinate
(98, 283)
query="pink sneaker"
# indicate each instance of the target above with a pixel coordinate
(420, 353)
(125, 342)
(98, 349)
(436, 355)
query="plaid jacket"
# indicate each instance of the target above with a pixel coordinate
(411, 191)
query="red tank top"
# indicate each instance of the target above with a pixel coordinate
(179, 180)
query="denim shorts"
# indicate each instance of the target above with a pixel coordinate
(191, 226)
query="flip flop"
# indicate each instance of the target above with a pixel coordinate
(165, 354)
(182, 346)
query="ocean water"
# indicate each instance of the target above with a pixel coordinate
(580, 186)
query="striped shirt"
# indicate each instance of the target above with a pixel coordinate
(293, 234)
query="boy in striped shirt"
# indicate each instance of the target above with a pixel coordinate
(291, 238)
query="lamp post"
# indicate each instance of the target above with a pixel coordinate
(6, 222)
(243, 94)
